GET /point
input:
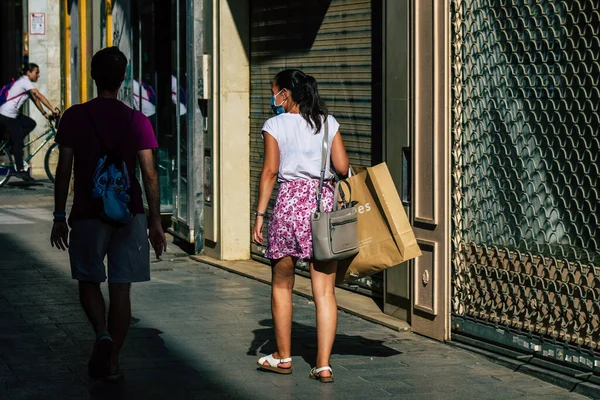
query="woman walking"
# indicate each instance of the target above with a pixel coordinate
(293, 146)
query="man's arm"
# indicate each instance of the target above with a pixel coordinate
(60, 231)
(151, 187)
(150, 179)
(63, 178)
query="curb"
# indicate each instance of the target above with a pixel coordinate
(565, 381)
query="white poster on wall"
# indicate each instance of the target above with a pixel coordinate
(37, 23)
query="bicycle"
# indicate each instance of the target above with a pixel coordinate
(7, 166)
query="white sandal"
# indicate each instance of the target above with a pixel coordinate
(274, 364)
(315, 373)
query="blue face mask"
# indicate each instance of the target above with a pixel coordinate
(277, 109)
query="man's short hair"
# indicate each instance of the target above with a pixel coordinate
(108, 68)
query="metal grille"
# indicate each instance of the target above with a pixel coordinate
(526, 243)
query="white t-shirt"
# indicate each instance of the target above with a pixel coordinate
(299, 147)
(17, 96)
(175, 95)
(148, 109)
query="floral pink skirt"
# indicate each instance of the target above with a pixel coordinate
(289, 227)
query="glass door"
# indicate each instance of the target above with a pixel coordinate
(180, 112)
(147, 95)
(163, 89)
(184, 116)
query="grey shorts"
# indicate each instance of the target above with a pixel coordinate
(126, 248)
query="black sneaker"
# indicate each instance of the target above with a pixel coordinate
(100, 360)
(24, 176)
(114, 376)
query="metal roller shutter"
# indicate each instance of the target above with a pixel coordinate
(328, 40)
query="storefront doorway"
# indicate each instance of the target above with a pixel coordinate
(332, 41)
(163, 86)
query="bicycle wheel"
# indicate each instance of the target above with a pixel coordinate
(51, 161)
(6, 166)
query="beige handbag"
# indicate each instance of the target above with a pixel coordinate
(334, 234)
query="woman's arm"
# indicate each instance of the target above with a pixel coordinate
(268, 178)
(339, 157)
(39, 97)
(37, 103)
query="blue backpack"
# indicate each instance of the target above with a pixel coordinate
(182, 96)
(112, 184)
(4, 92)
(151, 92)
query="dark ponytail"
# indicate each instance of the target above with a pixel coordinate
(29, 67)
(305, 93)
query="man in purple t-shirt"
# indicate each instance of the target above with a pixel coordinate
(87, 131)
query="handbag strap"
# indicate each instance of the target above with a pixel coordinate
(323, 162)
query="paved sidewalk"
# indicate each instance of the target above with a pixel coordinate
(16, 190)
(196, 334)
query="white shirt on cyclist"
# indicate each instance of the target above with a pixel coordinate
(175, 95)
(17, 96)
(148, 109)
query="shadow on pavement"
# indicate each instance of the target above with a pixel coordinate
(18, 187)
(164, 377)
(34, 185)
(304, 343)
(45, 340)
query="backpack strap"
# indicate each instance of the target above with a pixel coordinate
(17, 96)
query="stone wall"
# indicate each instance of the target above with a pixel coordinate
(44, 50)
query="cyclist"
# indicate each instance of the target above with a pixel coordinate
(17, 124)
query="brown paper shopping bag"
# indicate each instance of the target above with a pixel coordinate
(385, 236)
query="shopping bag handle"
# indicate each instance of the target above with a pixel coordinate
(340, 192)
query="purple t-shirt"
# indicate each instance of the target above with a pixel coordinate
(121, 129)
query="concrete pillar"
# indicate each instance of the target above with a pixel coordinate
(44, 50)
(231, 127)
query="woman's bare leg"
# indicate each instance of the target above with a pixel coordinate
(323, 287)
(283, 276)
